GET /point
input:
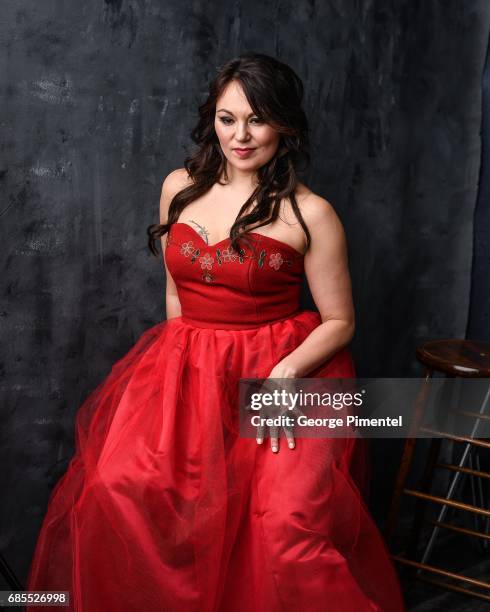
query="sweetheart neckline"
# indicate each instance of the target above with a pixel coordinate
(211, 246)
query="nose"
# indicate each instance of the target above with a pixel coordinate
(241, 133)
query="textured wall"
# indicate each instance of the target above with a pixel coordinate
(97, 100)
(479, 314)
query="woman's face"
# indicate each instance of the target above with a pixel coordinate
(237, 127)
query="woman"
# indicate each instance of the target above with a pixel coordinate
(164, 505)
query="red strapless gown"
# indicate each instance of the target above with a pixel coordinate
(165, 508)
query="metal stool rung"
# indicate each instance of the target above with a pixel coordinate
(454, 587)
(457, 468)
(442, 572)
(464, 530)
(473, 415)
(466, 439)
(447, 502)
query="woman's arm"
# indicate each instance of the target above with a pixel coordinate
(173, 183)
(327, 272)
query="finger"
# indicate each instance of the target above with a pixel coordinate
(260, 434)
(274, 434)
(288, 430)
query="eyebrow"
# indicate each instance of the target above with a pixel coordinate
(227, 111)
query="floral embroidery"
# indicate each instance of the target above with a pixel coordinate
(206, 261)
(187, 248)
(229, 255)
(276, 260)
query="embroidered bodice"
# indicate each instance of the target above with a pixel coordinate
(222, 288)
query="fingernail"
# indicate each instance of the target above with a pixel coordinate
(274, 449)
(291, 445)
(259, 440)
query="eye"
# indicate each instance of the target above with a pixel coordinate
(229, 121)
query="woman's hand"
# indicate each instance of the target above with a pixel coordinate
(285, 371)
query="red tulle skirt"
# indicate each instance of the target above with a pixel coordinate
(164, 507)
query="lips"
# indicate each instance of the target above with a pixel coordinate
(244, 152)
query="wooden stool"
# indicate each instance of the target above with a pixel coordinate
(454, 358)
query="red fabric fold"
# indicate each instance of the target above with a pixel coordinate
(165, 507)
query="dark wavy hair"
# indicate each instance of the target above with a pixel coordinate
(275, 94)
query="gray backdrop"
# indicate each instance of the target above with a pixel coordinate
(97, 101)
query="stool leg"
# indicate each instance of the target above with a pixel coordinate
(8, 573)
(406, 459)
(452, 488)
(421, 504)
(453, 484)
(483, 495)
(474, 493)
(477, 499)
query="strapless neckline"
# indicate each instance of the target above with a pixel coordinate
(283, 244)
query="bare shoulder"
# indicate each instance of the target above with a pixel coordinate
(314, 208)
(318, 213)
(173, 183)
(323, 223)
